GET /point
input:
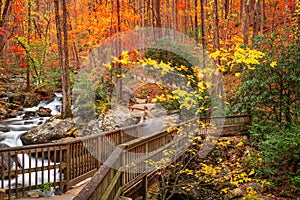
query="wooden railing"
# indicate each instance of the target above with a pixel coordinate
(65, 164)
(68, 163)
(125, 171)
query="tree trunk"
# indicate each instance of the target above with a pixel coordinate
(66, 72)
(262, 16)
(226, 8)
(196, 22)
(216, 26)
(118, 53)
(203, 32)
(245, 22)
(255, 21)
(61, 26)
(157, 10)
(3, 19)
(28, 41)
(173, 15)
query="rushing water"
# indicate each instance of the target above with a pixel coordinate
(18, 126)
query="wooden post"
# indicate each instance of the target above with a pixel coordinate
(67, 170)
(2, 194)
(145, 187)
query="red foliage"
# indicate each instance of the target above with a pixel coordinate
(17, 49)
(23, 64)
(181, 6)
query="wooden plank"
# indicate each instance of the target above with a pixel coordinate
(81, 178)
(2, 194)
(100, 175)
(112, 184)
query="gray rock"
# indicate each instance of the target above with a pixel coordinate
(52, 130)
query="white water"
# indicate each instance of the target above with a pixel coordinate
(17, 127)
(53, 105)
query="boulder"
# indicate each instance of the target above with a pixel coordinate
(52, 130)
(44, 112)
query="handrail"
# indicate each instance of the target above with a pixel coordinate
(72, 161)
(122, 179)
(76, 160)
(100, 175)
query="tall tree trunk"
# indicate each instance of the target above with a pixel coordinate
(226, 8)
(196, 21)
(241, 9)
(28, 42)
(227, 28)
(3, 19)
(158, 15)
(284, 22)
(66, 71)
(262, 16)
(255, 22)
(118, 53)
(61, 27)
(168, 21)
(173, 15)
(176, 16)
(245, 22)
(185, 17)
(203, 42)
(216, 26)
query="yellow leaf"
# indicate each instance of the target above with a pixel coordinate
(238, 74)
(240, 144)
(215, 54)
(251, 68)
(273, 64)
(251, 172)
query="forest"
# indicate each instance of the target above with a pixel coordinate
(255, 45)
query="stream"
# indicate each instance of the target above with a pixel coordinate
(18, 126)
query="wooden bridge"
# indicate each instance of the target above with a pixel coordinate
(124, 172)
